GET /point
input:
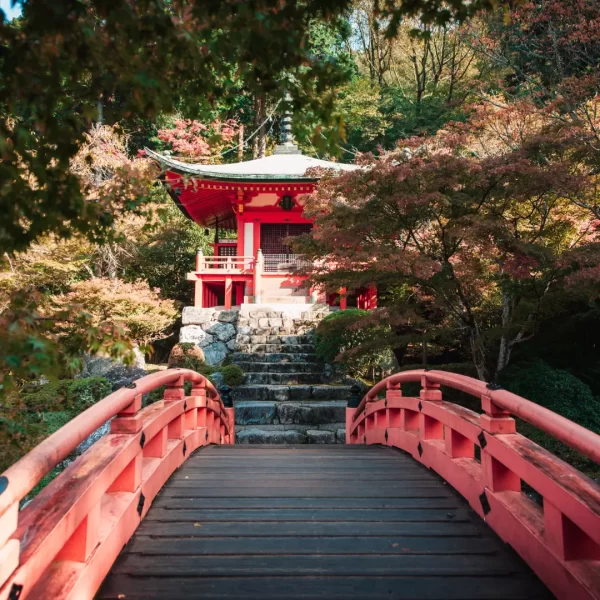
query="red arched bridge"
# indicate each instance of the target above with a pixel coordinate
(448, 517)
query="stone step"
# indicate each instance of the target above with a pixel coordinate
(309, 378)
(271, 434)
(286, 299)
(263, 336)
(275, 357)
(280, 367)
(308, 414)
(277, 348)
(284, 393)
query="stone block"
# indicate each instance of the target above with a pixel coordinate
(228, 316)
(265, 436)
(255, 413)
(194, 334)
(320, 436)
(275, 323)
(215, 354)
(274, 393)
(232, 345)
(222, 331)
(340, 436)
(311, 414)
(263, 322)
(245, 330)
(194, 315)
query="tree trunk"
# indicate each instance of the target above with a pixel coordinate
(478, 354)
(240, 149)
(262, 134)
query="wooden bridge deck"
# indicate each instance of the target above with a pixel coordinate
(314, 522)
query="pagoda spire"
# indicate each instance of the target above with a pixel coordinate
(286, 139)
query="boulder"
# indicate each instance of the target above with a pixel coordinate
(228, 316)
(215, 354)
(217, 379)
(118, 374)
(222, 331)
(177, 356)
(194, 334)
(265, 436)
(320, 436)
(255, 413)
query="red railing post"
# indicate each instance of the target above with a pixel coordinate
(9, 548)
(497, 477)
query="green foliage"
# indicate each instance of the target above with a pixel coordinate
(562, 393)
(169, 254)
(71, 395)
(554, 389)
(347, 337)
(233, 375)
(134, 306)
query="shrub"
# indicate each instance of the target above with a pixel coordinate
(135, 307)
(83, 393)
(67, 394)
(352, 340)
(232, 375)
(561, 392)
(186, 356)
(555, 389)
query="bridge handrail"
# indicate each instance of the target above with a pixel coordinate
(27, 472)
(571, 434)
(62, 543)
(555, 529)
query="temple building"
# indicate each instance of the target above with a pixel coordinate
(261, 201)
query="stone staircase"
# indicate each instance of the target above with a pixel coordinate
(288, 396)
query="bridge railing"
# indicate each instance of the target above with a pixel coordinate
(486, 460)
(62, 544)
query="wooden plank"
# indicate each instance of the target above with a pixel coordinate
(299, 502)
(311, 545)
(432, 515)
(342, 588)
(333, 492)
(201, 529)
(365, 565)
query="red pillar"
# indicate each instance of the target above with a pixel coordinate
(228, 290)
(371, 297)
(198, 294)
(343, 299)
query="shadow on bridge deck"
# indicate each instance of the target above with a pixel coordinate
(314, 522)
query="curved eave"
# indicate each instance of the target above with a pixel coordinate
(205, 172)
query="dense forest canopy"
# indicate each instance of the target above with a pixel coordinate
(476, 214)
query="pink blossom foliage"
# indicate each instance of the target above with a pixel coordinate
(195, 140)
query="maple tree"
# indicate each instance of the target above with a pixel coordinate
(196, 140)
(478, 245)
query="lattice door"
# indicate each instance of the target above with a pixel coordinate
(272, 236)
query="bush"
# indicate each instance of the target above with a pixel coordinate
(186, 356)
(561, 392)
(341, 337)
(67, 394)
(135, 307)
(232, 375)
(555, 389)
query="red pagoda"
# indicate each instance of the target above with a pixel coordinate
(260, 199)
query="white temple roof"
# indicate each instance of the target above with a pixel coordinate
(279, 166)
